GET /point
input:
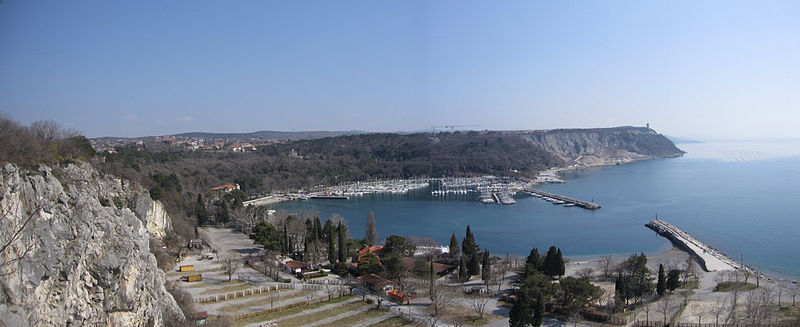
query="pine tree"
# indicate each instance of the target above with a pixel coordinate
(486, 268)
(332, 255)
(342, 247)
(454, 252)
(371, 232)
(535, 260)
(560, 264)
(661, 286)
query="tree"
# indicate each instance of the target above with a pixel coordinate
(605, 266)
(442, 297)
(473, 265)
(661, 285)
(371, 232)
(230, 265)
(550, 266)
(468, 245)
(535, 260)
(372, 265)
(332, 255)
(223, 214)
(268, 236)
(287, 245)
(486, 269)
(479, 305)
(673, 279)
(200, 210)
(521, 313)
(585, 273)
(560, 265)
(398, 246)
(663, 308)
(454, 252)
(395, 269)
(156, 193)
(463, 272)
(342, 244)
(620, 292)
(575, 293)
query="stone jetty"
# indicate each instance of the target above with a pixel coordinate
(710, 258)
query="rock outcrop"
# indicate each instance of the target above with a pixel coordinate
(77, 254)
(603, 146)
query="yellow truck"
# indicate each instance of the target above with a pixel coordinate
(192, 278)
(186, 268)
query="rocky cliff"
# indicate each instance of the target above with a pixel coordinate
(603, 146)
(77, 250)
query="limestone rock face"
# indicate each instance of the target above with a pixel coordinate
(603, 146)
(81, 256)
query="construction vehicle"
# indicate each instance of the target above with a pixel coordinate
(401, 297)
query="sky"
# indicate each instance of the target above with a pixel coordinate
(697, 69)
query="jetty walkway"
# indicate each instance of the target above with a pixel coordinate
(710, 258)
(580, 203)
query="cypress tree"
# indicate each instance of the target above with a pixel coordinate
(318, 229)
(200, 210)
(454, 253)
(285, 246)
(486, 268)
(371, 232)
(342, 246)
(520, 314)
(661, 286)
(332, 255)
(550, 266)
(468, 246)
(560, 264)
(463, 273)
(430, 281)
(474, 266)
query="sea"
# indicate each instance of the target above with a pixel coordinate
(740, 197)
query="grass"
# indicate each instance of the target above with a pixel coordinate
(327, 313)
(729, 286)
(290, 312)
(351, 320)
(392, 322)
(263, 301)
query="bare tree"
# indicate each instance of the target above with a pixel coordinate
(585, 273)
(794, 290)
(330, 289)
(479, 305)
(230, 265)
(720, 309)
(663, 307)
(780, 290)
(606, 265)
(442, 297)
(269, 266)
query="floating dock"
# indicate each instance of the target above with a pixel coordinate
(710, 258)
(563, 199)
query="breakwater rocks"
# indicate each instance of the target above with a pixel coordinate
(78, 250)
(710, 258)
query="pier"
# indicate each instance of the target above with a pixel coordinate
(564, 199)
(710, 258)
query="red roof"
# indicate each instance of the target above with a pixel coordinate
(221, 187)
(200, 315)
(374, 280)
(294, 264)
(375, 249)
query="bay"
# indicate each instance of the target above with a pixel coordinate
(739, 197)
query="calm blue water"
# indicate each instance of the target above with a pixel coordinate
(741, 198)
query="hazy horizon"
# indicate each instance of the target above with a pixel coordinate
(708, 70)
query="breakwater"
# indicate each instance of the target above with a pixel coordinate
(710, 258)
(563, 199)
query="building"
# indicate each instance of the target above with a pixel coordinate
(376, 283)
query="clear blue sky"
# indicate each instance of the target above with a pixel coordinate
(132, 68)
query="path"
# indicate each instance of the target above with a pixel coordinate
(306, 312)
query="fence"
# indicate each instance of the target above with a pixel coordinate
(234, 295)
(660, 324)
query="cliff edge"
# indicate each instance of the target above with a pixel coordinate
(76, 250)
